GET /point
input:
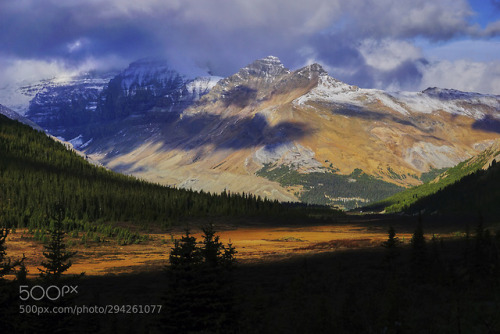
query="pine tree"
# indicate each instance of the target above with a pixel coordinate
(212, 247)
(217, 280)
(482, 249)
(391, 245)
(5, 265)
(419, 250)
(57, 262)
(9, 297)
(185, 254)
(58, 259)
(199, 296)
(181, 297)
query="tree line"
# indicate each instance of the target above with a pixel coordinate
(36, 172)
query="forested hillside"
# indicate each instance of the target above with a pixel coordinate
(328, 188)
(477, 194)
(36, 173)
(406, 199)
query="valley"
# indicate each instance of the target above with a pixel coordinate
(273, 158)
(255, 242)
(238, 133)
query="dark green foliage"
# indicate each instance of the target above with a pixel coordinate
(391, 245)
(363, 298)
(5, 265)
(185, 254)
(344, 291)
(57, 258)
(476, 192)
(30, 161)
(408, 199)
(319, 188)
(199, 298)
(432, 174)
(57, 262)
(9, 299)
(485, 251)
(419, 251)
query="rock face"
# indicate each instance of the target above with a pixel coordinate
(15, 116)
(64, 107)
(277, 133)
(69, 108)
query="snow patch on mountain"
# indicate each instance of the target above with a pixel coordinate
(431, 100)
(147, 73)
(18, 96)
(77, 141)
(201, 86)
(268, 68)
(334, 91)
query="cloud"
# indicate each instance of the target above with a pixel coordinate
(388, 54)
(25, 71)
(370, 43)
(492, 29)
(463, 75)
(436, 20)
(468, 49)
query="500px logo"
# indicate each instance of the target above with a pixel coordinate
(53, 292)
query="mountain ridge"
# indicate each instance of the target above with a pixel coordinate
(266, 116)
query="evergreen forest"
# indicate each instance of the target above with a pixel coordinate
(38, 173)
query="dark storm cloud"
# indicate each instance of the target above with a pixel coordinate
(45, 31)
(435, 20)
(342, 55)
(338, 49)
(222, 36)
(210, 29)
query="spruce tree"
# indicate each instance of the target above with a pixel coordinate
(391, 245)
(218, 290)
(57, 262)
(419, 250)
(5, 265)
(9, 297)
(181, 296)
(57, 258)
(199, 298)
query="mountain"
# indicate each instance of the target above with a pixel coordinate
(62, 106)
(410, 199)
(283, 134)
(31, 160)
(15, 116)
(477, 193)
(71, 108)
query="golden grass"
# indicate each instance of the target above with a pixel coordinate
(254, 244)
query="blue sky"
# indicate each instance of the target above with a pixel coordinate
(388, 44)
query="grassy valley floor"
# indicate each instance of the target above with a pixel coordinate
(254, 242)
(327, 278)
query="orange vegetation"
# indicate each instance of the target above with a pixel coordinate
(252, 243)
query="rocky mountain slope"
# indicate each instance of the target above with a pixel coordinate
(15, 116)
(282, 134)
(408, 200)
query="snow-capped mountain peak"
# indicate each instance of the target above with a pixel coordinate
(268, 67)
